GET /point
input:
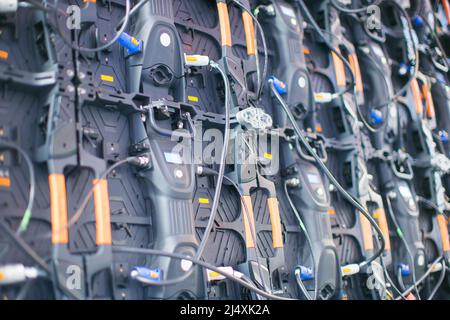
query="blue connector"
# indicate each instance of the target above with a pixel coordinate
(443, 135)
(279, 85)
(417, 21)
(149, 274)
(305, 273)
(376, 117)
(130, 43)
(404, 69)
(404, 270)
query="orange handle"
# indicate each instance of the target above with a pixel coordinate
(249, 221)
(446, 9)
(224, 22)
(354, 63)
(58, 208)
(366, 232)
(417, 96)
(249, 33)
(339, 69)
(428, 101)
(102, 212)
(275, 221)
(444, 232)
(380, 216)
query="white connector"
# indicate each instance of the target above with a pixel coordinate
(324, 97)
(216, 276)
(350, 269)
(196, 60)
(436, 268)
(16, 273)
(8, 6)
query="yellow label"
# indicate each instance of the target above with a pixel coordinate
(5, 182)
(134, 41)
(319, 128)
(268, 155)
(214, 274)
(4, 55)
(331, 211)
(203, 200)
(346, 270)
(154, 275)
(376, 214)
(192, 98)
(107, 78)
(191, 58)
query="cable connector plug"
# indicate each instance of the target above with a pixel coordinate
(142, 162)
(325, 97)
(304, 273)
(216, 276)
(146, 274)
(17, 273)
(350, 269)
(8, 6)
(196, 60)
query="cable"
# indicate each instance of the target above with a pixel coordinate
(223, 157)
(84, 203)
(134, 10)
(80, 210)
(32, 254)
(301, 285)
(386, 273)
(416, 58)
(438, 284)
(424, 276)
(386, 116)
(184, 277)
(123, 24)
(201, 263)
(318, 30)
(333, 180)
(431, 205)
(26, 217)
(266, 56)
(246, 212)
(408, 249)
(308, 240)
(436, 38)
(335, 4)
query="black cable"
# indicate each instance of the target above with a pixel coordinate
(185, 276)
(134, 10)
(333, 180)
(424, 276)
(436, 38)
(308, 240)
(123, 25)
(28, 211)
(80, 210)
(405, 87)
(25, 247)
(308, 15)
(246, 212)
(336, 5)
(223, 156)
(438, 284)
(405, 243)
(386, 273)
(431, 205)
(144, 251)
(266, 56)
